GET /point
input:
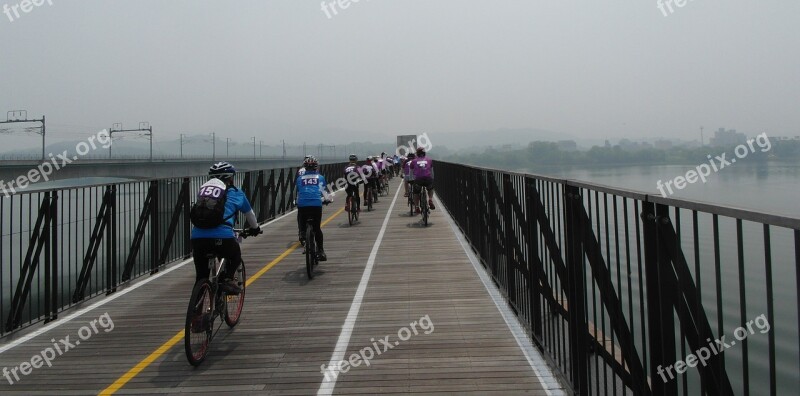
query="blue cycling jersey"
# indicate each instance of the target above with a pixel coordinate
(236, 201)
(309, 189)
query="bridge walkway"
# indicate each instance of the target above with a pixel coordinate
(388, 276)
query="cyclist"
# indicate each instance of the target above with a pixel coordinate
(310, 193)
(221, 239)
(397, 163)
(302, 169)
(382, 172)
(389, 168)
(354, 177)
(370, 170)
(301, 172)
(422, 167)
(408, 175)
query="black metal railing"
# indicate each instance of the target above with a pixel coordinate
(62, 246)
(617, 288)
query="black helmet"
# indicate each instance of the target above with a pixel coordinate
(353, 158)
(222, 170)
(412, 156)
(421, 151)
(311, 164)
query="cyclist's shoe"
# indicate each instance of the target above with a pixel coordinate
(230, 286)
(405, 195)
(302, 242)
(321, 256)
(430, 203)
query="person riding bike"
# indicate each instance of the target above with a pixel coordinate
(370, 172)
(302, 170)
(422, 167)
(221, 240)
(310, 193)
(408, 175)
(354, 177)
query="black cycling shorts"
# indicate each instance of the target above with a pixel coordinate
(419, 183)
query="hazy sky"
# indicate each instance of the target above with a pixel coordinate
(282, 68)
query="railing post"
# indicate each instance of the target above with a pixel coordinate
(576, 303)
(155, 228)
(111, 238)
(187, 224)
(51, 262)
(532, 239)
(512, 261)
(660, 318)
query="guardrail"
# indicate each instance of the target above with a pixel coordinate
(620, 289)
(61, 247)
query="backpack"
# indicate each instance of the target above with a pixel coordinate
(209, 209)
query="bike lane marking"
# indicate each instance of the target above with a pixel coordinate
(326, 387)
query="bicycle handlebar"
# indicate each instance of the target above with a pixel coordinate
(250, 232)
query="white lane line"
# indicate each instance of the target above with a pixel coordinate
(105, 301)
(535, 360)
(327, 386)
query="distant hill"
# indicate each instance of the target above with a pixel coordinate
(479, 140)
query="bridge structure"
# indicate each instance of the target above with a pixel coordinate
(81, 168)
(519, 284)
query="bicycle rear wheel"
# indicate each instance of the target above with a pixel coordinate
(311, 252)
(197, 332)
(235, 302)
(423, 202)
(351, 213)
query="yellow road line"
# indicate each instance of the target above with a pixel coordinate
(121, 381)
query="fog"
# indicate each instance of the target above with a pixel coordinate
(289, 70)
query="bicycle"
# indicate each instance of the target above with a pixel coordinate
(355, 208)
(423, 203)
(209, 301)
(368, 197)
(374, 191)
(386, 186)
(411, 199)
(311, 251)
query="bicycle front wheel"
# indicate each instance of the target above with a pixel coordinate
(199, 315)
(235, 302)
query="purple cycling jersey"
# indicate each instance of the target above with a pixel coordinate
(370, 171)
(406, 167)
(353, 174)
(422, 168)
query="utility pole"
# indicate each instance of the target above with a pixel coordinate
(213, 147)
(284, 149)
(260, 153)
(227, 147)
(254, 147)
(21, 116)
(182, 135)
(143, 127)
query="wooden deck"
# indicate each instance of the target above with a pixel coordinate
(291, 326)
